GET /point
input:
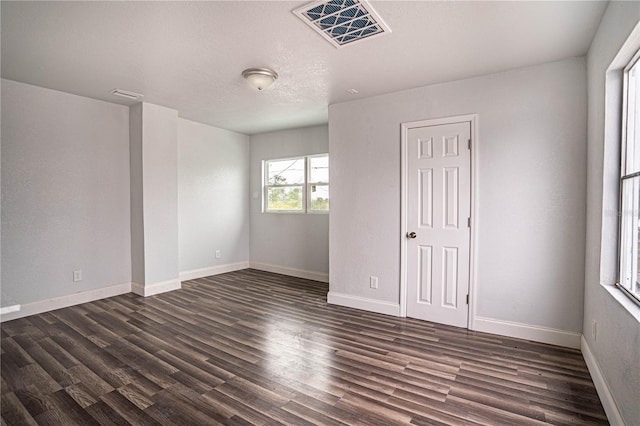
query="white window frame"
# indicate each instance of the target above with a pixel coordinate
(266, 186)
(306, 186)
(310, 184)
(623, 239)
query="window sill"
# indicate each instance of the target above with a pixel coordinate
(295, 212)
(627, 304)
(283, 212)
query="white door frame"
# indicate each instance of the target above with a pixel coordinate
(473, 243)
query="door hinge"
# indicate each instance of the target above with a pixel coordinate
(469, 144)
(468, 222)
(467, 299)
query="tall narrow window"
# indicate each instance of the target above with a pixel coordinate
(297, 185)
(318, 183)
(630, 183)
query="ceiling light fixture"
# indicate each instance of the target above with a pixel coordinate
(126, 94)
(260, 78)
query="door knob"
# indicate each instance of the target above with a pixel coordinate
(411, 235)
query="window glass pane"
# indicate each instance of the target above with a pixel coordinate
(319, 197)
(319, 169)
(630, 235)
(286, 172)
(633, 121)
(284, 198)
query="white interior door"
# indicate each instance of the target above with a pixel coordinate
(438, 232)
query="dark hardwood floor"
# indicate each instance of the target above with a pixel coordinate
(251, 347)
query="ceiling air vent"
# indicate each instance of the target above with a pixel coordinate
(343, 22)
(126, 94)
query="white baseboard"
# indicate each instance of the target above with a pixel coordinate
(606, 398)
(371, 305)
(293, 272)
(569, 339)
(8, 309)
(66, 301)
(212, 270)
(155, 288)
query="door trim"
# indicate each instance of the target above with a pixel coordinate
(473, 243)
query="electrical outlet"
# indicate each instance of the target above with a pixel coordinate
(373, 282)
(594, 330)
(77, 275)
(218, 254)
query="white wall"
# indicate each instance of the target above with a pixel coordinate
(616, 348)
(136, 188)
(154, 171)
(532, 156)
(65, 193)
(213, 188)
(298, 243)
(160, 192)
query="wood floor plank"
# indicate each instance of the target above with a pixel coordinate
(585, 403)
(310, 415)
(105, 415)
(67, 407)
(256, 348)
(135, 396)
(15, 355)
(34, 401)
(428, 411)
(127, 410)
(81, 395)
(64, 358)
(13, 412)
(327, 409)
(51, 366)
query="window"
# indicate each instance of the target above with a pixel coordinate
(629, 278)
(297, 185)
(318, 183)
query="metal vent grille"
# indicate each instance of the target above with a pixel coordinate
(343, 22)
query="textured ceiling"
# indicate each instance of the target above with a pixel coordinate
(189, 55)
